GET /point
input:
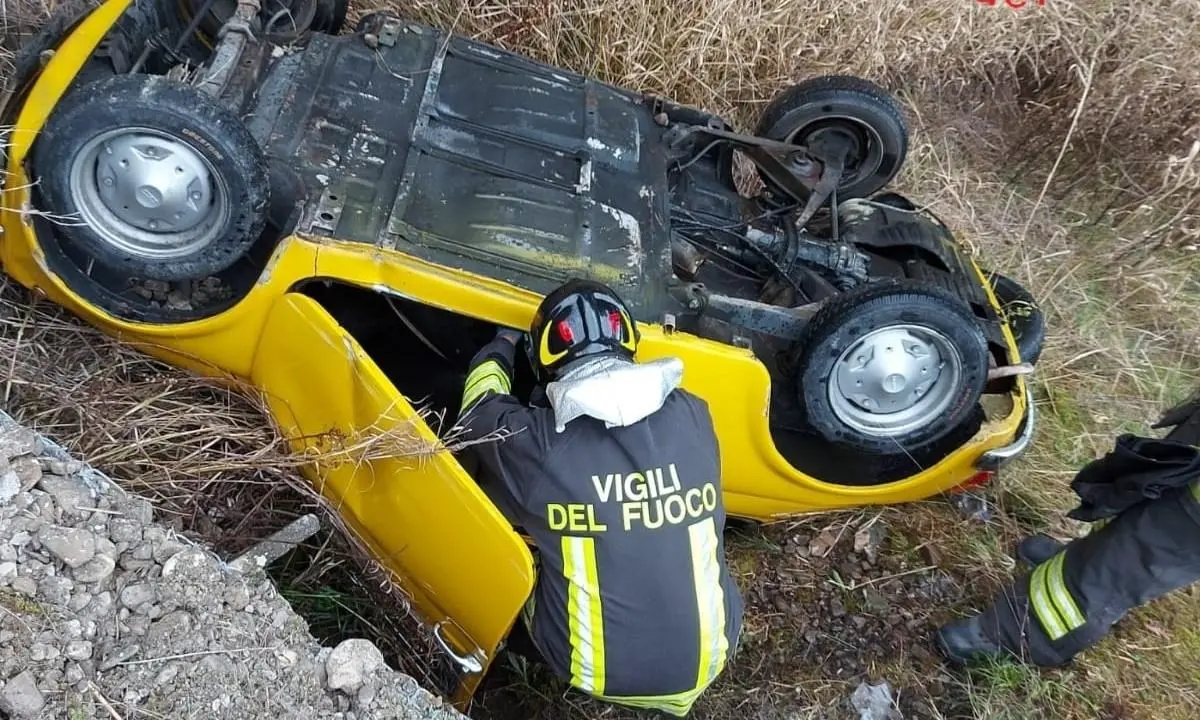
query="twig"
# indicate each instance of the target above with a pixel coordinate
(872, 581)
(104, 701)
(194, 654)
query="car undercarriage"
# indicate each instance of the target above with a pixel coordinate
(874, 324)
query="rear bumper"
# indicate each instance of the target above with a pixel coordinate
(1001, 456)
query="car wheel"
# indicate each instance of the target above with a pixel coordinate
(1023, 314)
(154, 178)
(891, 366)
(852, 107)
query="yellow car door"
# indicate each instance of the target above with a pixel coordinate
(467, 572)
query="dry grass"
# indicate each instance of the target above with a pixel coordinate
(1062, 141)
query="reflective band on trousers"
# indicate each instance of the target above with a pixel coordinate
(710, 600)
(488, 377)
(1056, 610)
(585, 613)
(710, 606)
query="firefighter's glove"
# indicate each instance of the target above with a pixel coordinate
(512, 336)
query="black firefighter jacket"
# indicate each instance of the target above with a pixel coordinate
(634, 602)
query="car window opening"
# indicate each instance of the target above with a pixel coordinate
(423, 350)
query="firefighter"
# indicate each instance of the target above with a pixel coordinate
(1143, 500)
(614, 472)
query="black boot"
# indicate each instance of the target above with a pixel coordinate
(962, 641)
(1037, 549)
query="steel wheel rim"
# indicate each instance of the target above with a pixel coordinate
(884, 392)
(868, 144)
(148, 193)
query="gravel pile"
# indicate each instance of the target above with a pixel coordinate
(104, 614)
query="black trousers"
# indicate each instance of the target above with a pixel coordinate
(1070, 602)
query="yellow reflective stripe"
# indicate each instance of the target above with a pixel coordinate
(710, 600)
(489, 376)
(1061, 595)
(1196, 490)
(1039, 595)
(597, 615)
(585, 613)
(678, 705)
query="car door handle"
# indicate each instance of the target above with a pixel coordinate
(471, 663)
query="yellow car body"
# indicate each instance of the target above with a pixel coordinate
(426, 520)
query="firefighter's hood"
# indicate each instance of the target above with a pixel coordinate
(613, 390)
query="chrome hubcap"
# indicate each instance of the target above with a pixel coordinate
(149, 194)
(895, 380)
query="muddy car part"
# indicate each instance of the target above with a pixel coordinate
(853, 113)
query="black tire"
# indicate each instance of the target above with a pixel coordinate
(1023, 314)
(848, 318)
(331, 16)
(847, 104)
(215, 134)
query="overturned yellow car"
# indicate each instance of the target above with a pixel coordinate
(342, 218)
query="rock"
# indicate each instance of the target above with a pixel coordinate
(874, 702)
(101, 604)
(19, 441)
(28, 472)
(72, 497)
(859, 621)
(366, 694)
(134, 596)
(124, 530)
(171, 628)
(348, 666)
(56, 589)
(823, 543)
(10, 485)
(73, 674)
(79, 650)
(168, 674)
(237, 597)
(875, 601)
(136, 509)
(167, 548)
(71, 545)
(868, 539)
(8, 571)
(25, 586)
(40, 652)
(118, 656)
(53, 467)
(95, 570)
(218, 664)
(21, 697)
(20, 539)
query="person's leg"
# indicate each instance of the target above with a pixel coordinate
(1069, 602)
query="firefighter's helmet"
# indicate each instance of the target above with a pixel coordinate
(580, 319)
